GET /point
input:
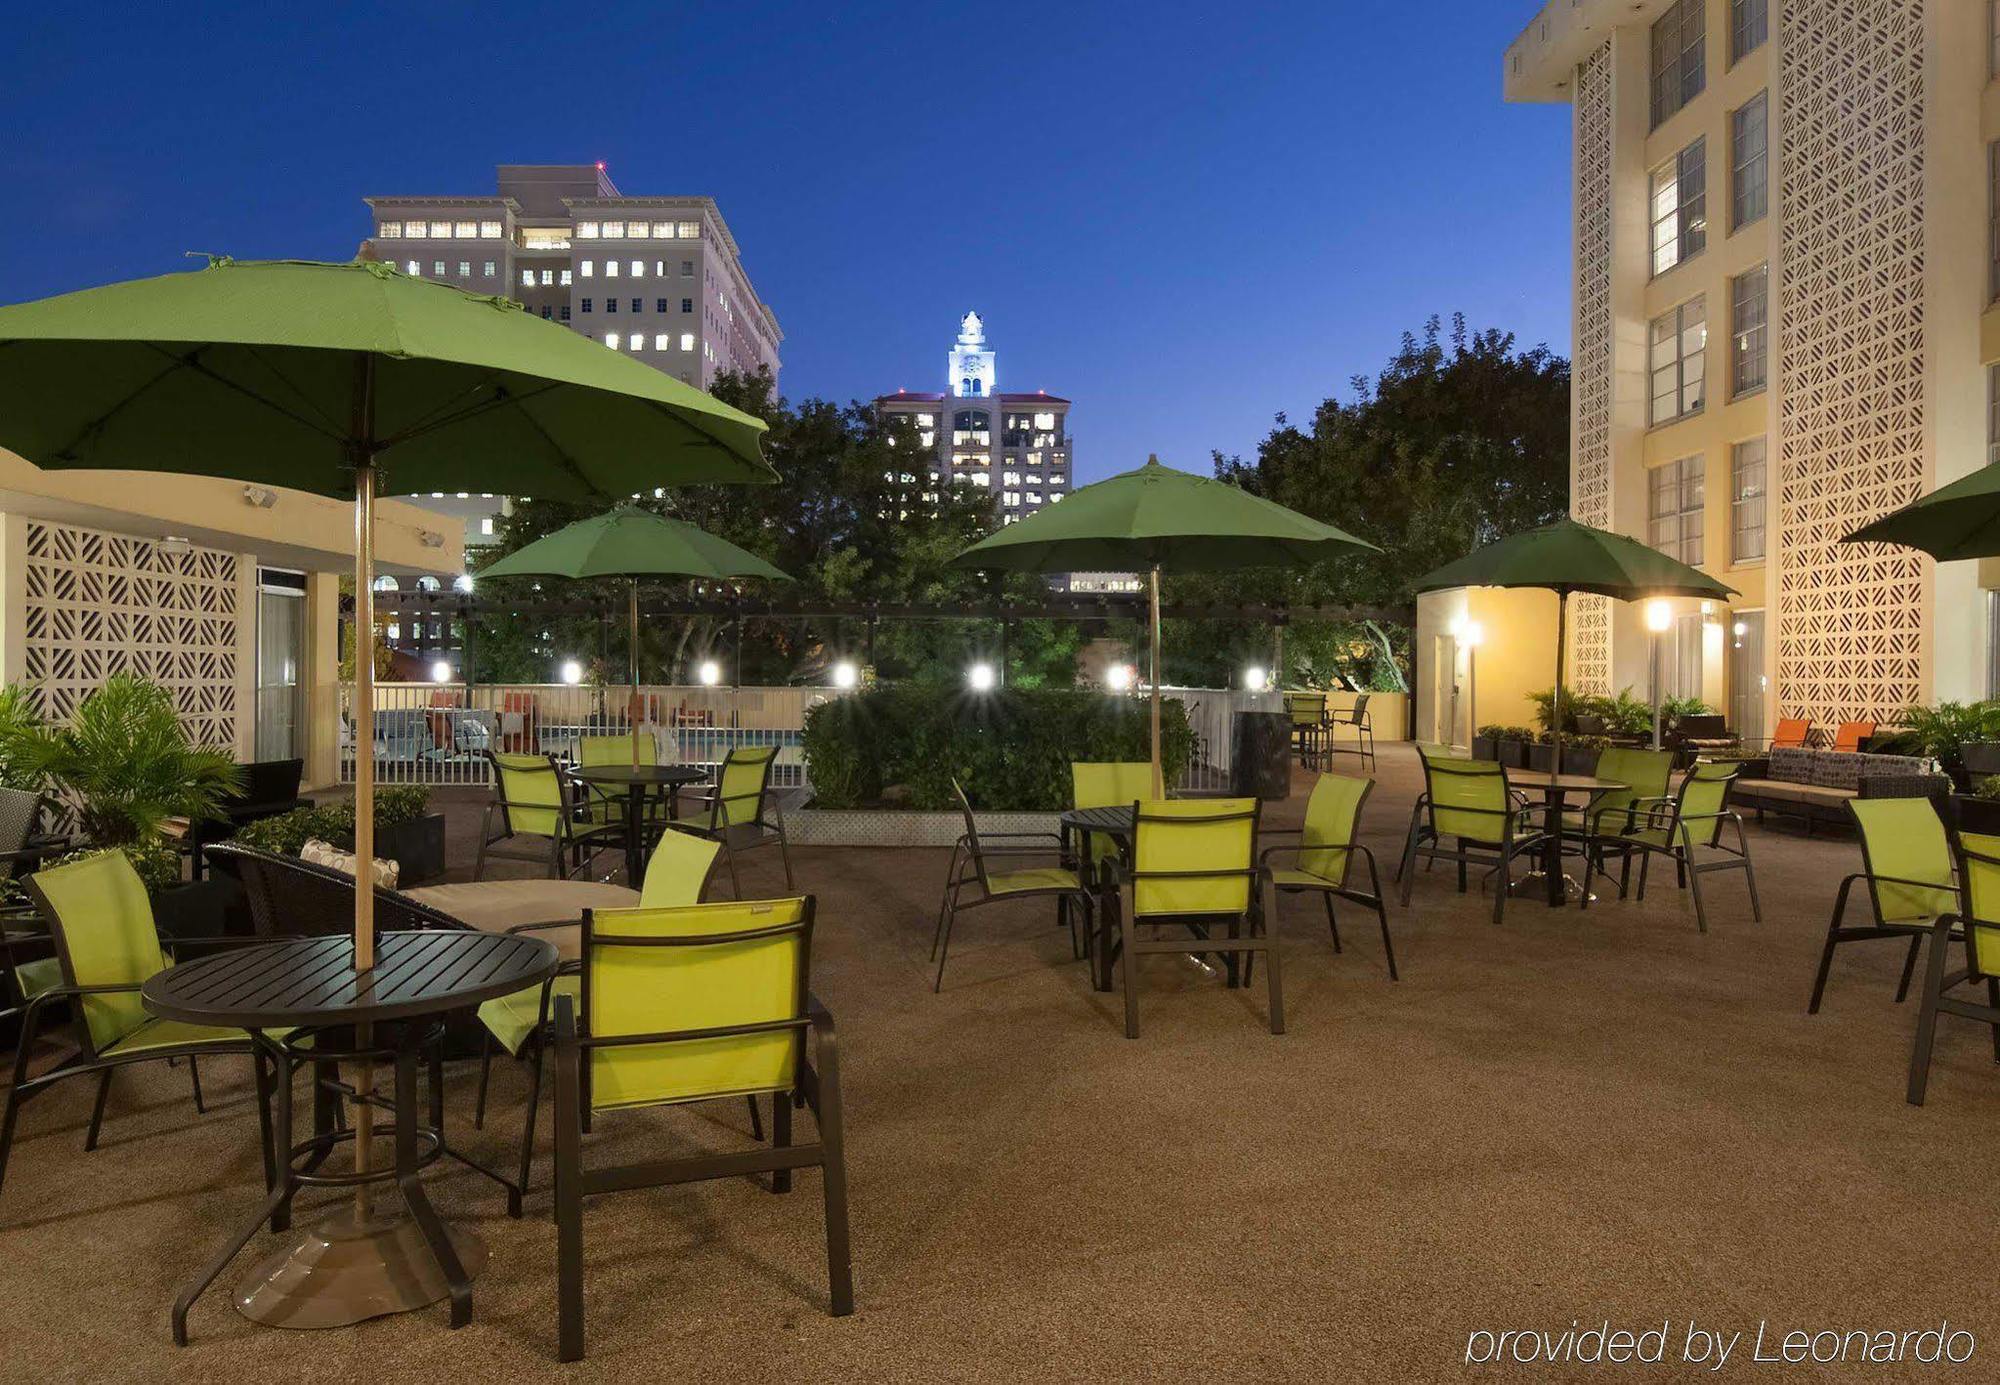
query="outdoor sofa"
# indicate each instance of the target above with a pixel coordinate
(1815, 785)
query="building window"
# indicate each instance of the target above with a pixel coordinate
(464, 230)
(393, 230)
(413, 230)
(687, 269)
(611, 340)
(637, 230)
(661, 341)
(638, 269)
(562, 277)
(437, 268)
(527, 278)
(587, 268)
(659, 305)
(687, 341)
(583, 306)
(1680, 207)
(563, 312)
(547, 312)
(611, 269)
(488, 269)
(613, 230)
(440, 230)
(1679, 351)
(687, 305)
(1679, 73)
(1749, 331)
(413, 269)
(1749, 161)
(1746, 500)
(1674, 504)
(465, 269)
(489, 230)
(690, 230)
(586, 230)
(1749, 26)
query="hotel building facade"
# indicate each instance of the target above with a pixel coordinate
(1786, 256)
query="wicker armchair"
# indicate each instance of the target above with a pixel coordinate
(290, 898)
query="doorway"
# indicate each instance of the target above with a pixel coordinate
(1748, 683)
(1444, 705)
(281, 632)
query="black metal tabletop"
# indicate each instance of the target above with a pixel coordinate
(1117, 819)
(664, 775)
(312, 981)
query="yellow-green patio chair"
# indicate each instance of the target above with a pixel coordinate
(1679, 827)
(519, 1024)
(969, 872)
(1325, 854)
(597, 805)
(710, 1002)
(1107, 784)
(1468, 801)
(101, 921)
(1977, 923)
(1194, 866)
(1648, 779)
(1308, 713)
(1907, 863)
(535, 805)
(741, 812)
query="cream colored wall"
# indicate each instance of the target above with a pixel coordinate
(1516, 656)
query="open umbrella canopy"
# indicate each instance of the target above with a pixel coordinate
(1159, 517)
(1570, 557)
(1961, 520)
(289, 373)
(631, 542)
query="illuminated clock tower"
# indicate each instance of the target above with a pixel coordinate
(970, 367)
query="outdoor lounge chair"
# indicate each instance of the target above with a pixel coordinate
(1977, 922)
(1791, 734)
(741, 812)
(968, 871)
(1674, 827)
(1325, 855)
(1852, 736)
(1468, 801)
(1906, 860)
(101, 922)
(676, 1006)
(535, 803)
(1358, 720)
(1194, 866)
(1308, 713)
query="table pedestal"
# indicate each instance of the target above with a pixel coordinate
(341, 1272)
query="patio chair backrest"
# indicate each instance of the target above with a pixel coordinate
(1904, 839)
(1979, 860)
(1306, 708)
(1105, 784)
(677, 874)
(1852, 734)
(615, 750)
(1193, 856)
(102, 920)
(741, 965)
(1791, 733)
(1703, 795)
(1332, 813)
(1468, 799)
(740, 785)
(1645, 774)
(531, 788)
(971, 834)
(20, 810)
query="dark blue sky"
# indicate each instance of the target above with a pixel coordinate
(1185, 217)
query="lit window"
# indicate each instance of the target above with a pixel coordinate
(614, 230)
(663, 230)
(413, 230)
(611, 269)
(1749, 161)
(548, 277)
(562, 277)
(413, 268)
(465, 269)
(586, 230)
(1045, 421)
(465, 230)
(437, 268)
(1679, 352)
(1749, 332)
(611, 340)
(1674, 509)
(527, 278)
(440, 230)
(1746, 503)
(489, 230)
(690, 230)
(1680, 207)
(638, 341)
(638, 230)
(1749, 26)
(661, 341)
(1034, 497)
(923, 420)
(1679, 72)
(389, 230)
(1010, 499)
(587, 268)
(638, 269)
(488, 269)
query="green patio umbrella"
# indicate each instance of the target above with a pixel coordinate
(1570, 557)
(1961, 520)
(631, 542)
(1158, 518)
(350, 380)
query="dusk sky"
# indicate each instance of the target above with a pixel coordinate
(1184, 217)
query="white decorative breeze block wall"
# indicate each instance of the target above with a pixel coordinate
(1850, 353)
(1590, 426)
(99, 604)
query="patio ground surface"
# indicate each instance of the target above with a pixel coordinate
(1573, 1116)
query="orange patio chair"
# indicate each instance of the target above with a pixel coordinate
(1852, 734)
(1791, 733)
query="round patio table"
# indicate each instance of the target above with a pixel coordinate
(1555, 791)
(356, 1265)
(639, 781)
(1117, 822)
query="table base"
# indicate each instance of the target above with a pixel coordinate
(1536, 884)
(340, 1272)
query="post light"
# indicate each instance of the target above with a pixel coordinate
(572, 672)
(1659, 616)
(710, 673)
(980, 677)
(1255, 678)
(845, 674)
(463, 582)
(440, 672)
(1118, 677)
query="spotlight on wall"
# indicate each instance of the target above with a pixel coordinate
(1659, 615)
(845, 674)
(262, 497)
(1118, 677)
(1255, 678)
(980, 677)
(175, 545)
(572, 672)
(710, 673)
(440, 672)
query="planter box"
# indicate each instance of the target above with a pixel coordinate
(1514, 754)
(417, 847)
(1486, 748)
(896, 827)
(1575, 761)
(1977, 815)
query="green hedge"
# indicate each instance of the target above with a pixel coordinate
(288, 833)
(1012, 749)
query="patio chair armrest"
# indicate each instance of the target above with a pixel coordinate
(1003, 836)
(1263, 831)
(1268, 852)
(1901, 880)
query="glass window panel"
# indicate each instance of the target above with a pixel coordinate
(1746, 502)
(1749, 330)
(1749, 159)
(1749, 26)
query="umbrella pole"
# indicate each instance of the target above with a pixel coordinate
(1556, 717)
(632, 712)
(1153, 650)
(364, 781)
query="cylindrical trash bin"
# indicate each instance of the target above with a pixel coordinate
(1261, 763)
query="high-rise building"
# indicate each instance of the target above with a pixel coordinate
(659, 278)
(1786, 219)
(1017, 445)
